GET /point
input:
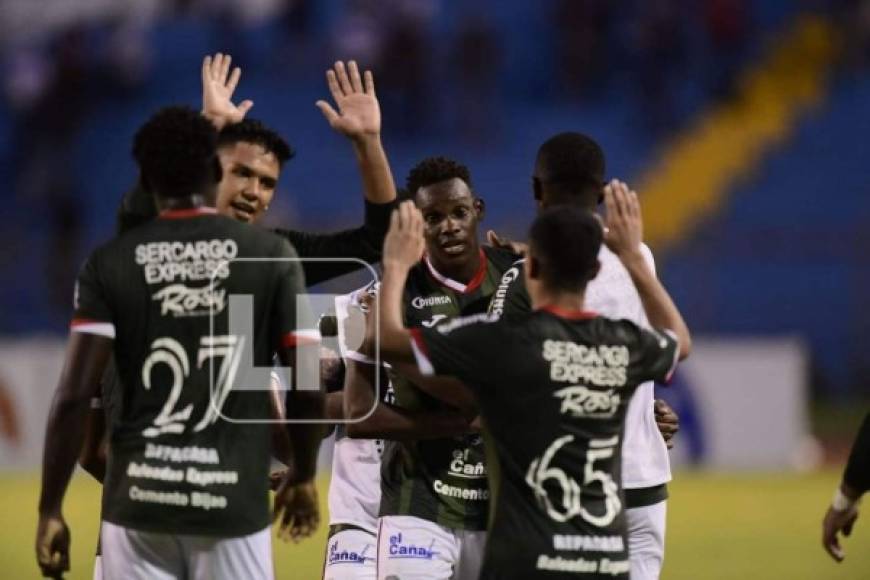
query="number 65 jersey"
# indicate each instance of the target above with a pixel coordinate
(553, 388)
(185, 457)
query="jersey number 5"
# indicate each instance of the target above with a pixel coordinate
(540, 472)
(169, 352)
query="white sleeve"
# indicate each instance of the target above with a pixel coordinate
(351, 329)
(648, 256)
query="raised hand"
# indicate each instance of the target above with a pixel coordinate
(359, 114)
(218, 86)
(624, 226)
(404, 243)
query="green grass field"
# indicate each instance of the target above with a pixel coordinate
(719, 527)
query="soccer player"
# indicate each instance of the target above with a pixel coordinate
(569, 172)
(434, 496)
(552, 387)
(252, 157)
(185, 493)
(369, 406)
(843, 512)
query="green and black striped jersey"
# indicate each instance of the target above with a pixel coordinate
(440, 480)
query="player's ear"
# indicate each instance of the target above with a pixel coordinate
(533, 267)
(479, 208)
(537, 190)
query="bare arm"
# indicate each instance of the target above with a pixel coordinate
(96, 445)
(623, 237)
(86, 359)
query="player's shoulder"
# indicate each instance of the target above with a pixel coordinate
(501, 258)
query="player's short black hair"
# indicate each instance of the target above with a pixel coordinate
(254, 131)
(435, 170)
(564, 244)
(573, 162)
(176, 153)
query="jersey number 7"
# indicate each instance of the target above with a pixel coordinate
(171, 353)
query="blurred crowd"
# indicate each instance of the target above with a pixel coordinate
(437, 64)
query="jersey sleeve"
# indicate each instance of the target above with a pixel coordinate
(660, 351)
(363, 243)
(459, 348)
(511, 298)
(92, 313)
(350, 314)
(292, 317)
(857, 473)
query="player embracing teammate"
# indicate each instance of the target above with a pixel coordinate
(552, 386)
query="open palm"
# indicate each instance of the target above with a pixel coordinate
(359, 114)
(218, 86)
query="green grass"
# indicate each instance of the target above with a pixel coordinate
(719, 527)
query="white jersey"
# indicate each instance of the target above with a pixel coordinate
(355, 487)
(645, 461)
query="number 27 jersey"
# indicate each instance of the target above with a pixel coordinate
(553, 387)
(184, 457)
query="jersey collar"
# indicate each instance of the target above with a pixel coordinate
(472, 285)
(568, 313)
(177, 214)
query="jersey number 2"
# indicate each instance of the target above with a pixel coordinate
(169, 352)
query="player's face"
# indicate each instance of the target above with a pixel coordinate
(450, 214)
(250, 177)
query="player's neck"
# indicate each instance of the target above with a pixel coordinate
(192, 201)
(566, 301)
(463, 272)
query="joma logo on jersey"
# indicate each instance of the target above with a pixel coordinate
(179, 300)
(421, 302)
(580, 401)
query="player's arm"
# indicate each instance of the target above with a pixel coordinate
(358, 117)
(86, 359)
(843, 511)
(624, 233)
(96, 444)
(371, 419)
(297, 348)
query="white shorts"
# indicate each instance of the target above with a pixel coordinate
(412, 548)
(350, 555)
(98, 568)
(134, 555)
(646, 540)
